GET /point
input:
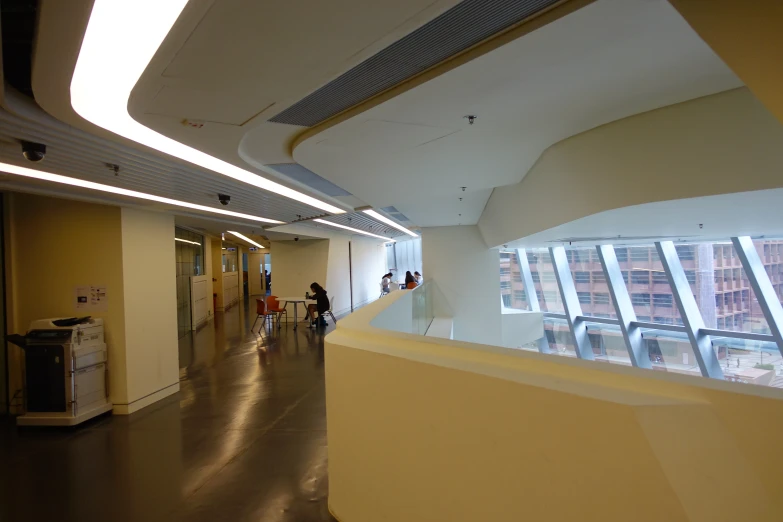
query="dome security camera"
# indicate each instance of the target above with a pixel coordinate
(224, 199)
(296, 239)
(33, 151)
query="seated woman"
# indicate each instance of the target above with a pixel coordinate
(410, 281)
(321, 305)
(386, 282)
(418, 277)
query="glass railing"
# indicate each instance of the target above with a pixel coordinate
(422, 308)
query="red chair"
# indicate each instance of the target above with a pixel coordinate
(261, 311)
(273, 307)
(411, 285)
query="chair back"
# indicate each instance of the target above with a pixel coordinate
(331, 303)
(260, 307)
(272, 303)
(411, 285)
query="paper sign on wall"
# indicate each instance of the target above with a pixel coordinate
(92, 298)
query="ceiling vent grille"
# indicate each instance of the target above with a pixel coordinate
(309, 178)
(461, 27)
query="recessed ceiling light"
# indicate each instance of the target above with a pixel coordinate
(121, 38)
(74, 182)
(337, 225)
(186, 241)
(389, 222)
(244, 238)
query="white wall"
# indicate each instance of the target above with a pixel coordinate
(338, 283)
(368, 262)
(519, 327)
(468, 276)
(717, 144)
(151, 351)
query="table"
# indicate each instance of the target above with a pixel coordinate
(296, 301)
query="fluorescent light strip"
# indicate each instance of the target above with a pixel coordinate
(74, 182)
(240, 236)
(384, 219)
(186, 241)
(121, 38)
(337, 225)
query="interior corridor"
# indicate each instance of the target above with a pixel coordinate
(245, 439)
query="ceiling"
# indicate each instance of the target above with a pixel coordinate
(609, 60)
(230, 65)
(705, 218)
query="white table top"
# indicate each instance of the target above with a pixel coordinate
(296, 300)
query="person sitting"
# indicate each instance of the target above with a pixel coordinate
(410, 281)
(386, 283)
(418, 277)
(321, 305)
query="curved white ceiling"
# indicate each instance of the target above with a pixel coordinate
(607, 61)
(122, 37)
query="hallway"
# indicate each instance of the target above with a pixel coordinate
(245, 439)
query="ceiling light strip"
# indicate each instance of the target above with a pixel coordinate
(74, 182)
(186, 241)
(384, 219)
(121, 38)
(337, 225)
(245, 238)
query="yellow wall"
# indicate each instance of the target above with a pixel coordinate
(54, 246)
(747, 36)
(149, 275)
(298, 264)
(217, 272)
(718, 144)
(481, 435)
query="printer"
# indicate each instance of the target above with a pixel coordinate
(65, 371)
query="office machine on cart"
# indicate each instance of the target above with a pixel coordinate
(65, 371)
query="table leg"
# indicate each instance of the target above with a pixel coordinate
(296, 318)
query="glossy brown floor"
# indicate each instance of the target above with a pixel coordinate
(245, 439)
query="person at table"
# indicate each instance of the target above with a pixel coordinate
(418, 277)
(386, 282)
(410, 281)
(320, 306)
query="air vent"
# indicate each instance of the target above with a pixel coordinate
(461, 27)
(390, 209)
(307, 177)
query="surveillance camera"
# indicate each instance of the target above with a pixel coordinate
(224, 199)
(296, 239)
(33, 151)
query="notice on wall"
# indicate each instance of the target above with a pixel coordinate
(92, 299)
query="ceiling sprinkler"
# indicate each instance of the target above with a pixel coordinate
(471, 118)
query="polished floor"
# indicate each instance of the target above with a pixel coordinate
(245, 439)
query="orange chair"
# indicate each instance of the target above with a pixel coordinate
(261, 311)
(273, 307)
(411, 285)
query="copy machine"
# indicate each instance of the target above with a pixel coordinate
(65, 371)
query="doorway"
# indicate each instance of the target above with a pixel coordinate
(189, 257)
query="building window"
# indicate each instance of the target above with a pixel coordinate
(584, 297)
(622, 254)
(520, 295)
(625, 277)
(598, 277)
(662, 320)
(659, 278)
(643, 318)
(550, 296)
(640, 254)
(536, 277)
(685, 252)
(531, 258)
(640, 299)
(505, 285)
(506, 300)
(581, 277)
(640, 277)
(517, 277)
(690, 275)
(548, 277)
(601, 298)
(505, 271)
(662, 300)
